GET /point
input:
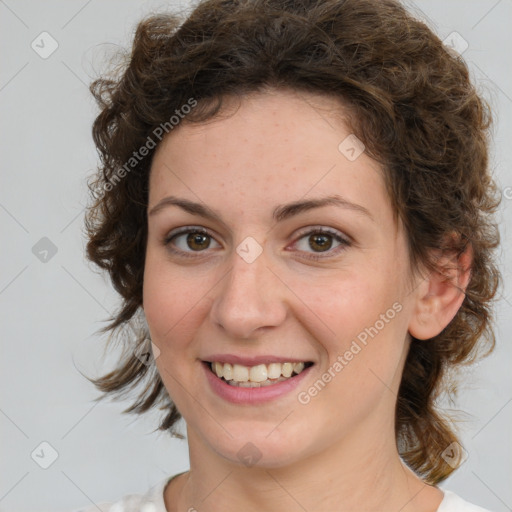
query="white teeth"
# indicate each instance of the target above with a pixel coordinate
(250, 384)
(218, 369)
(298, 367)
(227, 372)
(274, 370)
(255, 376)
(258, 373)
(240, 373)
(287, 369)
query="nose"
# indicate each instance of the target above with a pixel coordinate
(250, 299)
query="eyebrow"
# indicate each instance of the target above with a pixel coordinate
(280, 213)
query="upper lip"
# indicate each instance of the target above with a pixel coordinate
(253, 360)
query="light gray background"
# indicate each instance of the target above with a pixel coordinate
(51, 311)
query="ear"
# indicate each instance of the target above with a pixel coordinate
(440, 295)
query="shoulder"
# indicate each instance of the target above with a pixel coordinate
(152, 501)
(454, 503)
(128, 503)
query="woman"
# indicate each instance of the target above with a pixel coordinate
(295, 205)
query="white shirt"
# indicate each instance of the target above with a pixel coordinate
(153, 501)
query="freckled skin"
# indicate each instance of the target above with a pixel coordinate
(329, 452)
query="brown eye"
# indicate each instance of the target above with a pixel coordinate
(315, 242)
(320, 242)
(189, 240)
(198, 241)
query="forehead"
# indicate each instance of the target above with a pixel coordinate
(267, 149)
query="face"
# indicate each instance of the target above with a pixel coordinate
(270, 243)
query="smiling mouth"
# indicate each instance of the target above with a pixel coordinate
(256, 376)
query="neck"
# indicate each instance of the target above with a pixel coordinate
(350, 476)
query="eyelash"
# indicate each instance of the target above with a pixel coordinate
(344, 242)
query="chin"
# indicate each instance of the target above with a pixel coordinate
(259, 449)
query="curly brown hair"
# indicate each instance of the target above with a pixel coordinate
(411, 102)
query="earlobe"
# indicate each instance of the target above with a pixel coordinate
(441, 294)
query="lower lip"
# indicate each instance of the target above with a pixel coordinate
(239, 395)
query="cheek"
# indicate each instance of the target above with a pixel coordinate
(360, 322)
(341, 307)
(172, 303)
